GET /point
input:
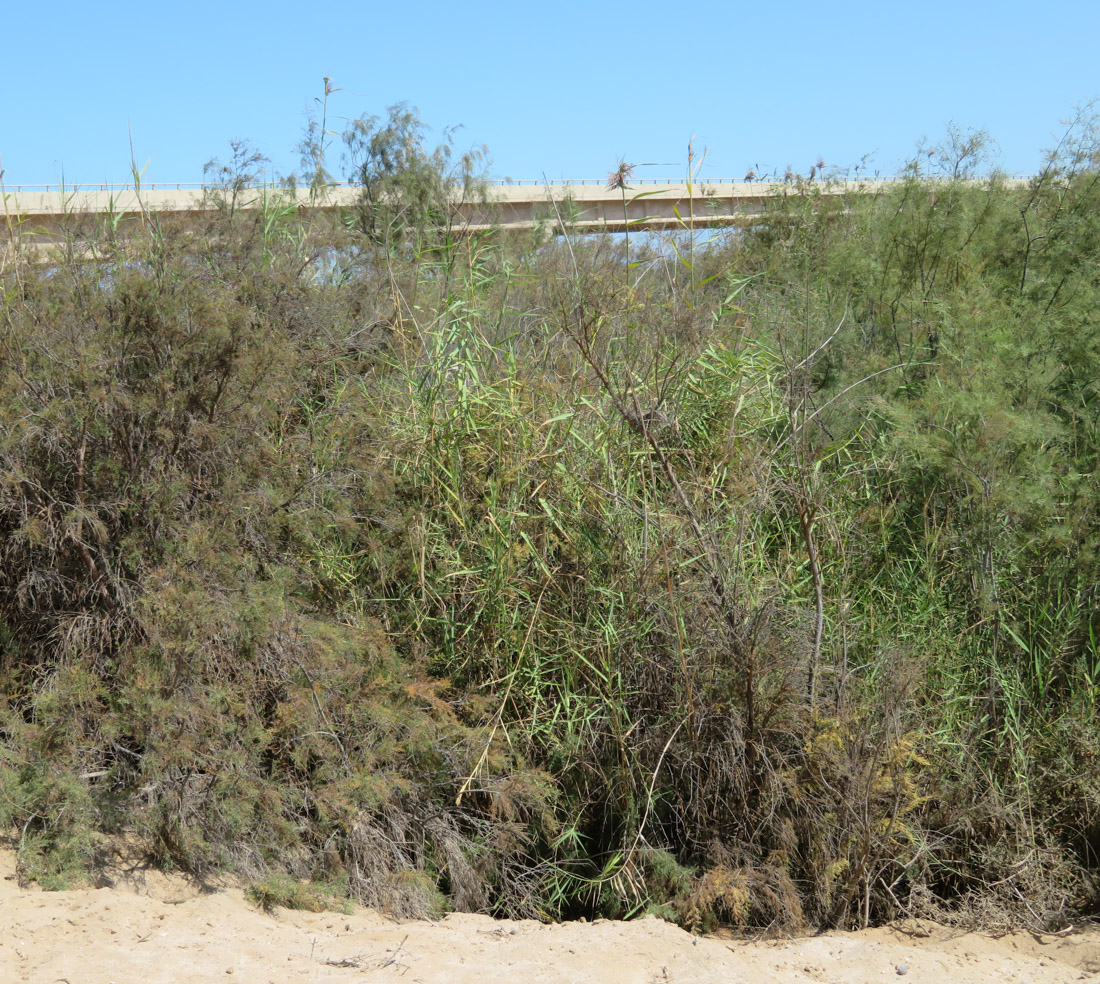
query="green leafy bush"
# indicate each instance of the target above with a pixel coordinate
(751, 582)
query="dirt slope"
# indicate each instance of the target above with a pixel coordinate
(150, 929)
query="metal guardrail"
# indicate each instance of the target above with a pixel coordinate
(497, 182)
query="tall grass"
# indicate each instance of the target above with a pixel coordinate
(746, 581)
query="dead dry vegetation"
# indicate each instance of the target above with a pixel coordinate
(746, 582)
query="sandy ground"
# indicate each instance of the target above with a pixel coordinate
(149, 929)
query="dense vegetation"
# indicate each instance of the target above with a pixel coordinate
(751, 580)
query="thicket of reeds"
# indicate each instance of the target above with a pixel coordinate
(746, 578)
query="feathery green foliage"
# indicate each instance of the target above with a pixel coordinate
(756, 587)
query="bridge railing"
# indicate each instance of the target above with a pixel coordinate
(283, 186)
(492, 182)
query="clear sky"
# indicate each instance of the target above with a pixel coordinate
(563, 89)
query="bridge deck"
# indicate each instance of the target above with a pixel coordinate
(40, 213)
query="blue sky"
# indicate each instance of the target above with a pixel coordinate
(561, 89)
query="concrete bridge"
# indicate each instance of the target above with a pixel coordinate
(42, 215)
